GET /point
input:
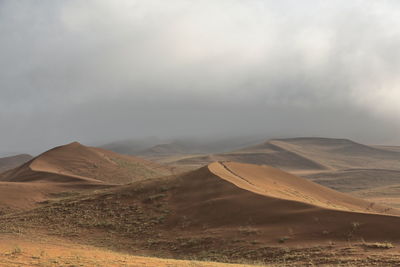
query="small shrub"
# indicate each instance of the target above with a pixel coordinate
(283, 239)
(355, 225)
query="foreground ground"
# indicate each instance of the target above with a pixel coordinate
(49, 251)
(19, 251)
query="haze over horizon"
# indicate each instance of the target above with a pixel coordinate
(100, 71)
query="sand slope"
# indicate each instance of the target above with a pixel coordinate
(75, 162)
(239, 194)
(271, 182)
(8, 163)
(67, 169)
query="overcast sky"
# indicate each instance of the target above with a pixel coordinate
(105, 70)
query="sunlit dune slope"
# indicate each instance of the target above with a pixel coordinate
(70, 169)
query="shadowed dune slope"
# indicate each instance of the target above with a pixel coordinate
(8, 163)
(341, 153)
(77, 163)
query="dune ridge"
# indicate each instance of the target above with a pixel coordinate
(272, 182)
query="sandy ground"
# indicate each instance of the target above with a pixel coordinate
(27, 253)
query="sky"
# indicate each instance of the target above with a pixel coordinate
(98, 70)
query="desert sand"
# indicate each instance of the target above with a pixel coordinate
(226, 211)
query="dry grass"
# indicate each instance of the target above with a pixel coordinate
(29, 253)
(379, 245)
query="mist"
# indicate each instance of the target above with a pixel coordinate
(99, 71)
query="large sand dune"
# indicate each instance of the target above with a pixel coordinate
(271, 182)
(75, 162)
(241, 194)
(71, 168)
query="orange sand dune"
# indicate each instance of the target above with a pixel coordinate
(75, 162)
(272, 182)
(232, 194)
(71, 168)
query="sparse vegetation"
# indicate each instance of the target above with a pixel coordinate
(379, 245)
(283, 239)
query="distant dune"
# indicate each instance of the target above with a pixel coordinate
(304, 154)
(155, 148)
(8, 163)
(341, 153)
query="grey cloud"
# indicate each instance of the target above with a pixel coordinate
(102, 70)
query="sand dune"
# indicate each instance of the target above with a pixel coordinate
(8, 163)
(340, 164)
(242, 194)
(271, 182)
(77, 163)
(341, 153)
(70, 168)
(305, 155)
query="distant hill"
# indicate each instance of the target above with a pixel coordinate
(341, 153)
(305, 154)
(390, 148)
(154, 148)
(131, 146)
(11, 162)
